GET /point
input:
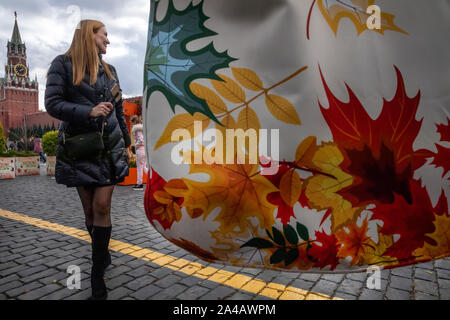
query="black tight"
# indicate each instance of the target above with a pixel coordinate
(96, 203)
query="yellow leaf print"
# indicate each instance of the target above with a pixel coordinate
(182, 121)
(229, 89)
(442, 237)
(282, 109)
(237, 189)
(355, 10)
(321, 190)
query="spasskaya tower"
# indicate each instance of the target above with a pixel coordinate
(19, 95)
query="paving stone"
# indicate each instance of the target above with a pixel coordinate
(385, 274)
(161, 273)
(10, 264)
(55, 276)
(251, 271)
(345, 296)
(40, 261)
(444, 293)
(443, 273)
(59, 294)
(395, 294)
(350, 286)
(118, 281)
(37, 250)
(118, 293)
(333, 277)
(267, 275)
(11, 257)
(424, 274)
(167, 281)
(138, 272)
(240, 296)
(218, 293)
(27, 243)
(427, 265)
(22, 289)
(401, 283)
(114, 272)
(423, 296)
(31, 270)
(140, 282)
(10, 285)
(146, 292)
(405, 272)
(192, 293)
(80, 295)
(325, 287)
(310, 276)
(443, 263)
(360, 276)
(9, 278)
(302, 284)
(282, 280)
(23, 249)
(191, 281)
(444, 283)
(368, 294)
(427, 287)
(122, 260)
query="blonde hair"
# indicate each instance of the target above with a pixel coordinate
(84, 52)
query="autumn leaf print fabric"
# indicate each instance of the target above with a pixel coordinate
(360, 117)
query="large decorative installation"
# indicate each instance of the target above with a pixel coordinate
(346, 104)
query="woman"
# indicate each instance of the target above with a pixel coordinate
(78, 93)
(38, 148)
(138, 135)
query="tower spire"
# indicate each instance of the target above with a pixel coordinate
(15, 38)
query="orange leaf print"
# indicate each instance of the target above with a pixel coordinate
(237, 189)
(355, 242)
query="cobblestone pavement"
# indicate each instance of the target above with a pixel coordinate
(47, 235)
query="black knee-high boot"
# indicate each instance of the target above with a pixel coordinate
(100, 242)
(107, 260)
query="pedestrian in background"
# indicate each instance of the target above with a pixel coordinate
(83, 92)
(139, 146)
(38, 148)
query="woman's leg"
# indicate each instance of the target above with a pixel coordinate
(86, 196)
(102, 206)
(101, 234)
(140, 162)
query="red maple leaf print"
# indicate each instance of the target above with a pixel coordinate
(377, 153)
(411, 220)
(325, 254)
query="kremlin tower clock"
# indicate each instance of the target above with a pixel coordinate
(19, 95)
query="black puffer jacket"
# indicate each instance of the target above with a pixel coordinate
(72, 105)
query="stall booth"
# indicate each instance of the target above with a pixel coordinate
(132, 107)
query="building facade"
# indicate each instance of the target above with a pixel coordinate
(19, 94)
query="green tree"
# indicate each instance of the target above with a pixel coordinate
(49, 142)
(2, 139)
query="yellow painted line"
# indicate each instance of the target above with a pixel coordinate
(223, 277)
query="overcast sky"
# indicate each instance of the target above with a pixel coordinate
(47, 26)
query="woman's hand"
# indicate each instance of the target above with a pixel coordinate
(101, 110)
(128, 155)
